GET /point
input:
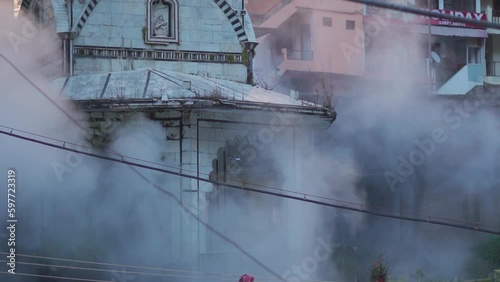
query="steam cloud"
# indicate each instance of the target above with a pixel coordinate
(103, 212)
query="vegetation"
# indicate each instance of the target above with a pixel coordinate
(265, 80)
(144, 33)
(379, 271)
(215, 94)
(245, 57)
(486, 258)
(348, 263)
(327, 93)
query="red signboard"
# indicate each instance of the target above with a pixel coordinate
(400, 17)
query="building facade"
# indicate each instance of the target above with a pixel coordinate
(301, 43)
(492, 44)
(351, 43)
(448, 55)
(187, 65)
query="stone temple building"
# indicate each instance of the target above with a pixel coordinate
(186, 64)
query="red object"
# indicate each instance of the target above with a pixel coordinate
(380, 280)
(248, 278)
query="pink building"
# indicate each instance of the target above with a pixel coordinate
(446, 54)
(303, 41)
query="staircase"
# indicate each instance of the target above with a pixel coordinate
(468, 77)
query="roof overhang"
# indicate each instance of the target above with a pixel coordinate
(310, 116)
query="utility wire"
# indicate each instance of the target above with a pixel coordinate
(54, 277)
(65, 143)
(301, 194)
(120, 265)
(130, 266)
(142, 176)
(425, 12)
(203, 275)
(122, 271)
(366, 2)
(360, 208)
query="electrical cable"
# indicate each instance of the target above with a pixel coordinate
(366, 2)
(121, 271)
(206, 275)
(135, 170)
(301, 194)
(360, 209)
(54, 277)
(123, 265)
(65, 143)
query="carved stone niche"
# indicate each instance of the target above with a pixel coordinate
(163, 22)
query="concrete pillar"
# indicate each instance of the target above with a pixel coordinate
(489, 13)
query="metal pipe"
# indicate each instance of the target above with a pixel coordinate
(71, 39)
(243, 13)
(429, 46)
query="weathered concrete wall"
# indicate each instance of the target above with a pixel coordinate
(192, 141)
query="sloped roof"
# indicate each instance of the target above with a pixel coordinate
(153, 88)
(156, 84)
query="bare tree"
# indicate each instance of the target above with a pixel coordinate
(264, 80)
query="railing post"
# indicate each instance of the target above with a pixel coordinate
(284, 52)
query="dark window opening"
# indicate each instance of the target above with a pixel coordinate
(460, 5)
(350, 25)
(327, 21)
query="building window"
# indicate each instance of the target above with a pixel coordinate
(163, 21)
(327, 21)
(350, 25)
(434, 4)
(460, 5)
(473, 55)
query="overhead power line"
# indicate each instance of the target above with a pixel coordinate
(425, 12)
(304, 198)
(124, 271)
(135, 160)
(128, 266)
(147, 180)
(122, 267)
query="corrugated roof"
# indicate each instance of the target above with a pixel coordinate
(151, 89)
(154, 83)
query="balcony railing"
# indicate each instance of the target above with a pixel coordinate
(495, 16)
(299, 55)
(322, 100)
(493, 68)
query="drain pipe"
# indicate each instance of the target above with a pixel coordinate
(243, 13)
(71, 38)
